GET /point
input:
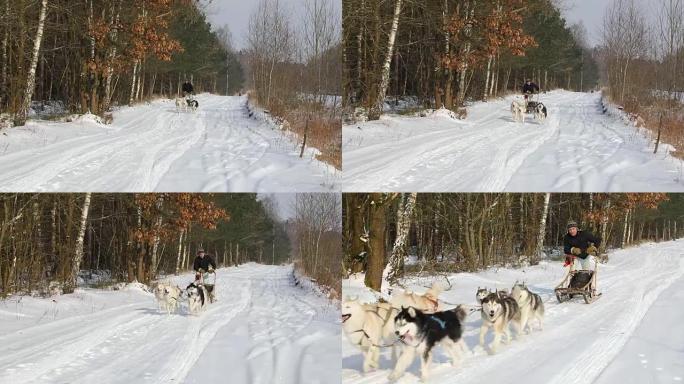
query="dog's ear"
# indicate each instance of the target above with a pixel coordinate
(412, 311)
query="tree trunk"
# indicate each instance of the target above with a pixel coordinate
(385, 71)
(404, 215)
(542, 230)
(376, 242)
(78, 252)
(22, 114)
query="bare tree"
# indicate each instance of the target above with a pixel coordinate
(22, 114)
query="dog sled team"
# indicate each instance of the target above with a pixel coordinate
(519, 108)
(187, 103)
(199, 293)
(412, 324)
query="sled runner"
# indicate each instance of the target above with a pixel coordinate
(578, 282)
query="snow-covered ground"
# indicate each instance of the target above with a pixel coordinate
(150, 147)
(261, 330)
(632, 334)
(578, 148)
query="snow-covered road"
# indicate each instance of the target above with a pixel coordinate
(577, 149)
(150, 147)
(579, 341)
(261, 330)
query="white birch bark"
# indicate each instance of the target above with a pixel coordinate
(22, 114)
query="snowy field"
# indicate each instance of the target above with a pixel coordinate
(577, 149)
(631, 334)
(151, 147)
(261, 330)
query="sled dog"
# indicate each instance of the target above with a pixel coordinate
(518, 109)
(370, 327)
(498, 312)
(484, 292)
(419, 332)
(198, 298)
(540, 112)
(167, 297)
(181, 105)
(530, 304)
(427, 302)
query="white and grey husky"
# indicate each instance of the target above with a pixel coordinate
(497, 313)
(530, 304)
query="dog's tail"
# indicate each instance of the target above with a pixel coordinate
(462, 311)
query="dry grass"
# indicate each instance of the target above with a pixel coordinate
(649, 117)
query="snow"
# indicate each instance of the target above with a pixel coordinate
(638, 314)
(261, 330)
(151, 147)
(577, 149)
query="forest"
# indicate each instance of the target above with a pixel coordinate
(48, 240)
(470, 232)
(642, 65)
(444, 53)
(293, 59)
(89, 55)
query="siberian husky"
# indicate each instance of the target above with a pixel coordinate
(167, 297)
(419, 332)
(518, 109)
(530, 304)
(370, 327)
(427, 302)
(198, 298)
(498, 312)
(540, 112)
(484, 292)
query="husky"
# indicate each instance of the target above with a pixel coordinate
(540, 112)
(498, 312)
(530, 304)
(198, 298)
(369, 326)
(427, 302)
(420, 332)
(481, 294)
(167, 297)
(193, 105)
(518, 109)
(181, 105)
(484, 292)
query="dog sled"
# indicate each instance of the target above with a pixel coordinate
(531, 103)
(579, 282)
(208, 280)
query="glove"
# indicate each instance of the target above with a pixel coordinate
(568, 260)
(575, 251)
(592, 250)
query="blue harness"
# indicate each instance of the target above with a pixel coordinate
(441, 322)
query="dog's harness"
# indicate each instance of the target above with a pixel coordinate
(367, 336)
(441, 322)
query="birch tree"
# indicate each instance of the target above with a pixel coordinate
(22, 114)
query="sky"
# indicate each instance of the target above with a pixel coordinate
(236, 14)
(591, 13)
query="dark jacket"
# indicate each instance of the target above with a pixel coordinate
(530, 88)
(203, 263)
(188, 88)
(581, 241)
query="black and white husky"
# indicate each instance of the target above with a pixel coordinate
(530, 304)
(198, 297)
(369, 327)
(420, 332)
(540, 112)
(484, 292)
(497, 313)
